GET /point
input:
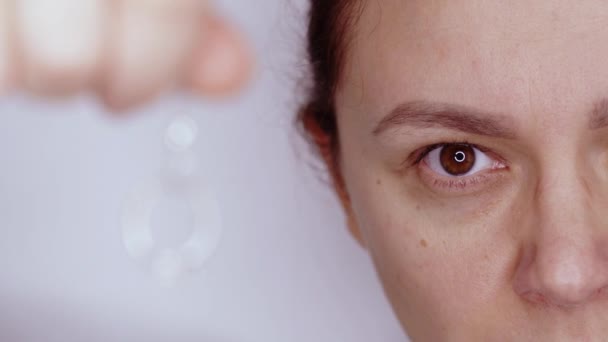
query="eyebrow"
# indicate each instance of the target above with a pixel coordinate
(424, 114)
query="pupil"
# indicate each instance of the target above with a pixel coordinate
(460, 156)
(457, 159)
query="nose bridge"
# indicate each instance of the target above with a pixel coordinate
(565, 262)
(563, 195)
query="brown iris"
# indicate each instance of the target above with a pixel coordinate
(457, 159)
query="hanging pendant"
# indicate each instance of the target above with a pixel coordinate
(181, 189)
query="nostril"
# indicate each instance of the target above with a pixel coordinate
(535, 297)
(602, 292)
(563, 274)
(542, 300)
(566, 287)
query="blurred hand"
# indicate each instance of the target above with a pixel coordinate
(126, 51)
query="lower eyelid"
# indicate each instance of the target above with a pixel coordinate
(462, 185)
(459, 183)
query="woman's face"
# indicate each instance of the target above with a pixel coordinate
(474, 149)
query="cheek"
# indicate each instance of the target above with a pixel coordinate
(438, 258)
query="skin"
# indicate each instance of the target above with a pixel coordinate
(519, 250)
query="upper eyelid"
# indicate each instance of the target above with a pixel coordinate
(488, 153)
(464, 184)
(421, 153)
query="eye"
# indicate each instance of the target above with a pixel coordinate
(458, 160)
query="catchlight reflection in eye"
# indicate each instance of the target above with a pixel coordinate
(457, 160)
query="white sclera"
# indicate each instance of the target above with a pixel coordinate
(482, 162)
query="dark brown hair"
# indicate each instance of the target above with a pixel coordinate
(327, 40)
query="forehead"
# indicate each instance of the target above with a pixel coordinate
(543, 57)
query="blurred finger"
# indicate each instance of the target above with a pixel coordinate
(150, 44)
(6, 51)
(222, 62)
(61, 42)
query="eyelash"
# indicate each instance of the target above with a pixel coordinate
(455, 184)
(420, 154)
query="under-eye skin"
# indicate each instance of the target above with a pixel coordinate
(457, 168)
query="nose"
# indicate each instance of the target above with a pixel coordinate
(564, 263)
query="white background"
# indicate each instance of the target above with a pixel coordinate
(286, 269)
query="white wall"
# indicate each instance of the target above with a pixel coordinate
(286, 269)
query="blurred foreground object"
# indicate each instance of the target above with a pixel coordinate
(125, 51)
(183, 190)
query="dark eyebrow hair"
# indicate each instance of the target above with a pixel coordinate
(423, 114)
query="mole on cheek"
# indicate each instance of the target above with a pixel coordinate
(378, 182)
(423, 243)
